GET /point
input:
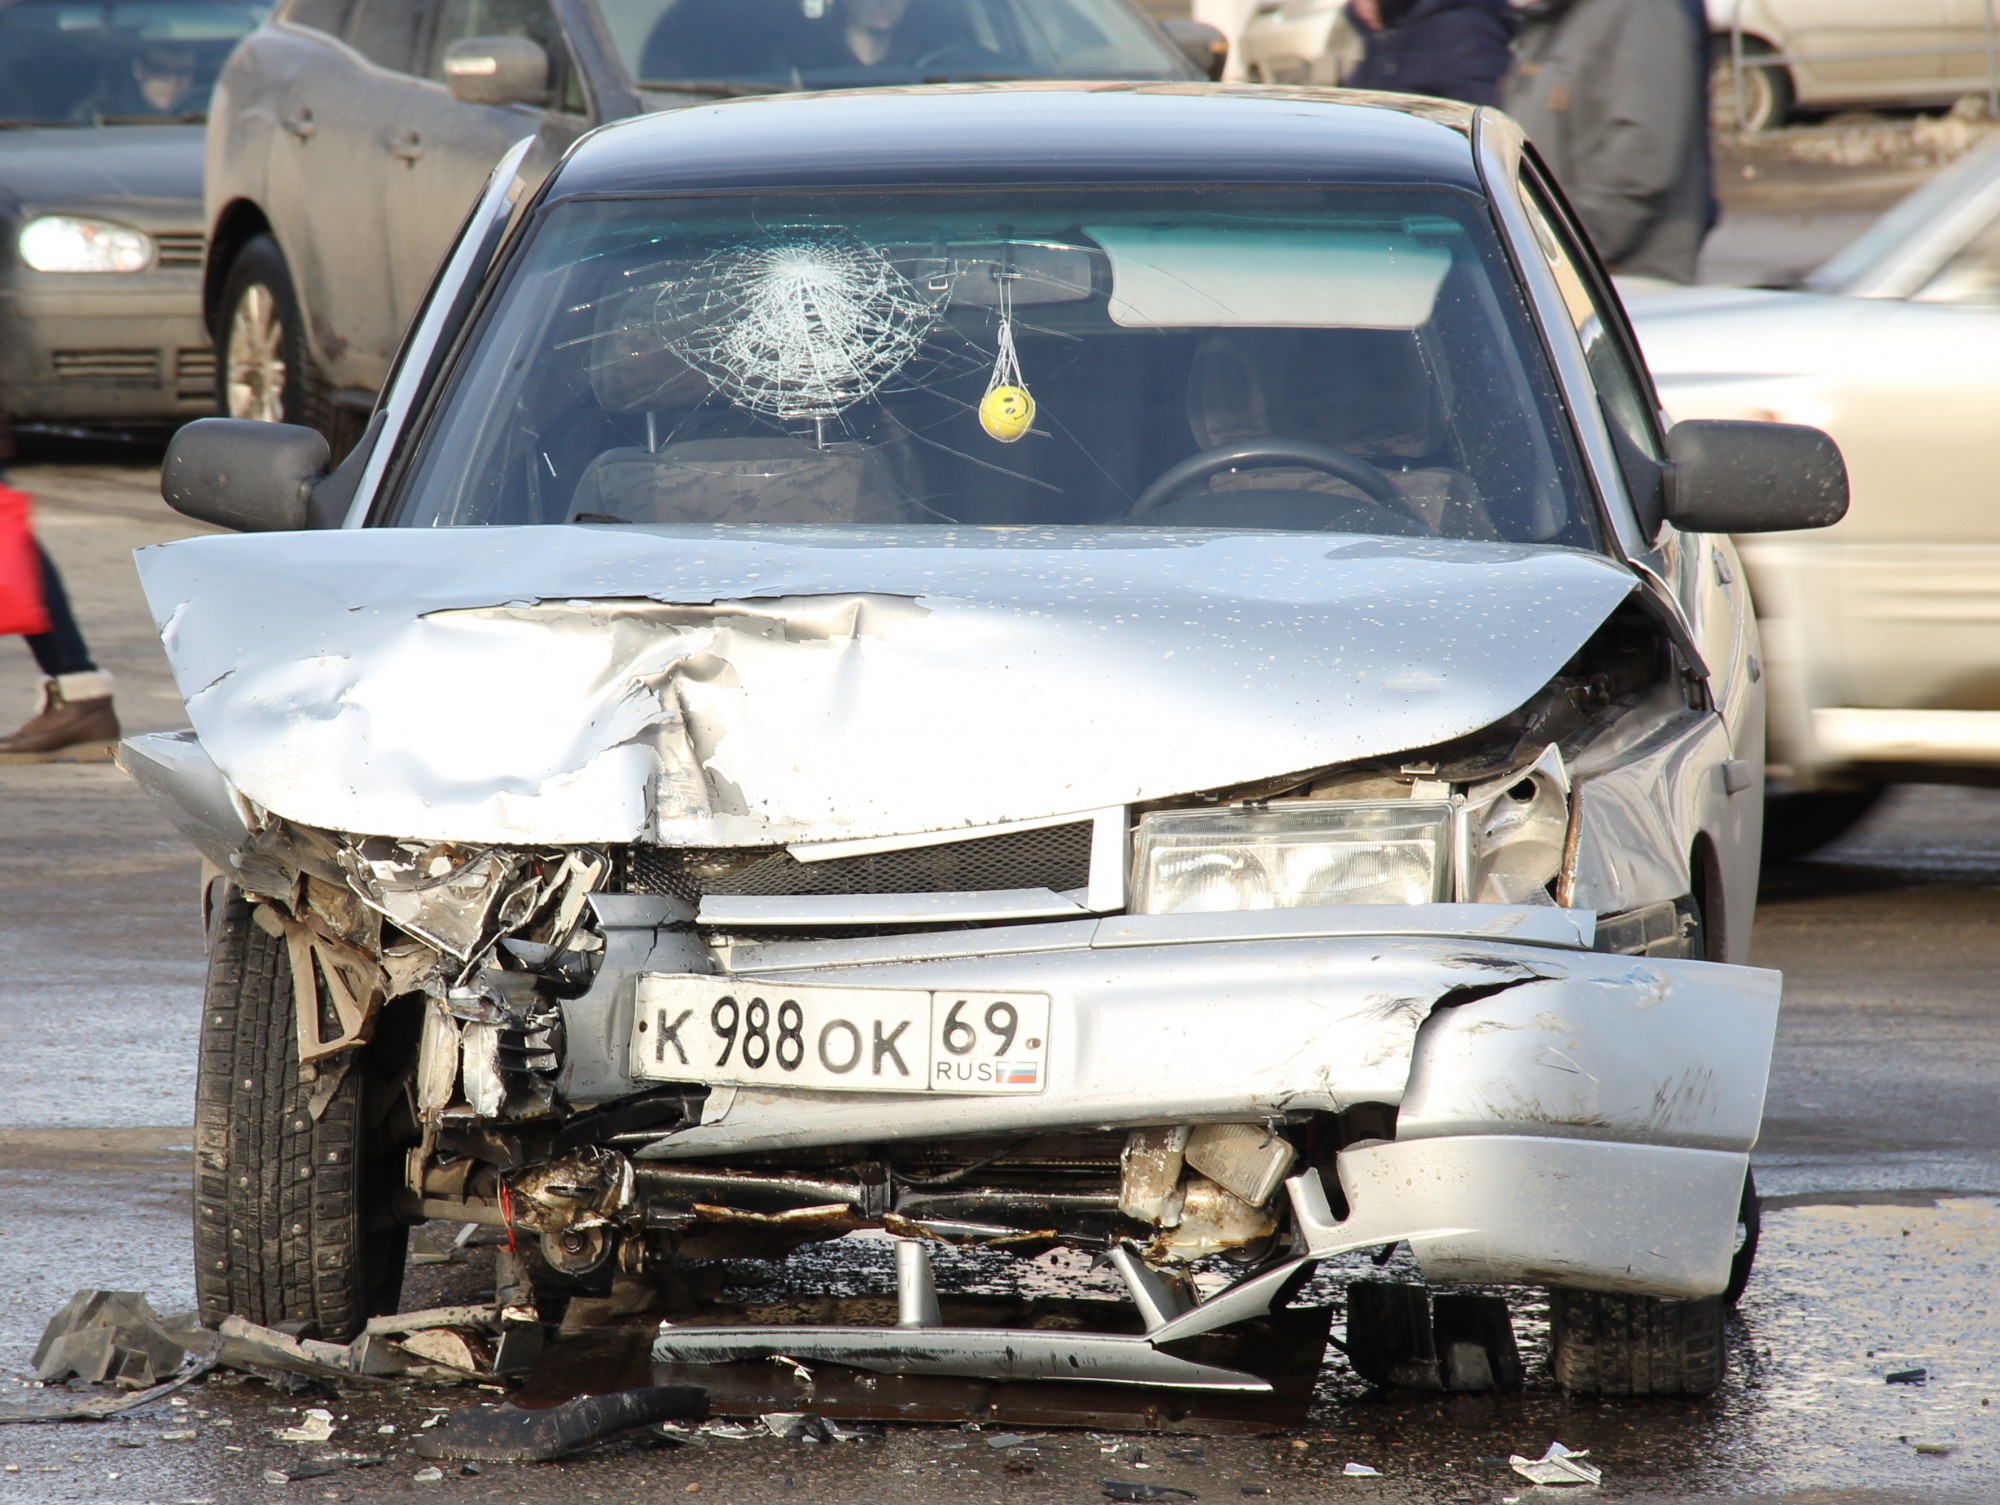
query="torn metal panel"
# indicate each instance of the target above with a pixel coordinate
(1658, 1052)
(349, 680)
(1506, 1209)
(993, 1353)
(1636, 821)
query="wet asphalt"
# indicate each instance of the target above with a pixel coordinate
(1881, 1160)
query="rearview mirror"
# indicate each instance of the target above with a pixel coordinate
(1207, 48)
(242, 474)
(497, 71)
(1725, 477)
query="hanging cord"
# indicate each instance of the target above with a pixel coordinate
(1006, 411)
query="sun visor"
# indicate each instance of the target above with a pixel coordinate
(1215, 277)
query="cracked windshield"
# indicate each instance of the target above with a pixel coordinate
(1341, 361)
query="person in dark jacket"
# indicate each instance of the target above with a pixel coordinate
(1610, 93)
(1453, 49)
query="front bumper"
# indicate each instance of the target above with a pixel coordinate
(104, 347)
(1563, 1116)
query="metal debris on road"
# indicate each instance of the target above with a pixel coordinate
(1906, 1377)
(1125, 1489)
(1557, 1466)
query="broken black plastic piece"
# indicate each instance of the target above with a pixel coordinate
(508, 1434)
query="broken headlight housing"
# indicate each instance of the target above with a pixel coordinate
(1292, 854)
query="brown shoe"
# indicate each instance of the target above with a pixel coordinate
(73, 725)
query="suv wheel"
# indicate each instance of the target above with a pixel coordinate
(287, 1225)
(1635, 1346)
(263, 369)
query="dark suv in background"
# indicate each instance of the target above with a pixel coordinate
(350, 137)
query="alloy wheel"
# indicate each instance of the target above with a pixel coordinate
(255, 357)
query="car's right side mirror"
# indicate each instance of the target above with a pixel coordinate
(1729, 477)
(497, 71)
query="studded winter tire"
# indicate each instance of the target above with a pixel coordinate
(287, 1225)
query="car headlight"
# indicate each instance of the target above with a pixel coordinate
(62, 243)
(1293, 854)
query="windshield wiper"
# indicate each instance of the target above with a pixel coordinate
(22, 123)
(708, 88)
(193, 117)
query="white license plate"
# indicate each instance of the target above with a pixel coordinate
(744, 1033)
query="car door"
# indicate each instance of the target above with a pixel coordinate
(320, 194)
(1918, 387)
(343, 114)
(444, 148)
(1823, 34)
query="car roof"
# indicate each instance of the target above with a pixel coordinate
(1033, 133)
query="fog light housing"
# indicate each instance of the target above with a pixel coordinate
(1292, 854)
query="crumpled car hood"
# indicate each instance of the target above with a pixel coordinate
(712, 687)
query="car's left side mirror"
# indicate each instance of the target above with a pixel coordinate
(1725, 477)
(1207, 48)
(242, 474)
(497, 71)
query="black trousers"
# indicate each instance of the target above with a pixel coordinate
(61, 649)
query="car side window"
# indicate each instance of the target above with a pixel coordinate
(1620, 382)
(329, 16)
(461, 20)
(389, 32)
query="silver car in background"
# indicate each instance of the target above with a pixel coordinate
(1845, 54)
(1882, 633)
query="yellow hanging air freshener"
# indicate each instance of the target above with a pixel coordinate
(1007, 410)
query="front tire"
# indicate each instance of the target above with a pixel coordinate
(1635, 1346)
(287, 1225)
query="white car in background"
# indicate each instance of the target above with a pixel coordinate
(1299, 42)
(1881, 633)
(1924, 52)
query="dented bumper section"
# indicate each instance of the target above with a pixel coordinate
(1550, 1115)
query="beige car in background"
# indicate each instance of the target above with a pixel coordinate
(1881, 633)
(1841, 54)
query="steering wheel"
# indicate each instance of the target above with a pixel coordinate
(1338, 463)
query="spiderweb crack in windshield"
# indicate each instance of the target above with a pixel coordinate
(798, 328)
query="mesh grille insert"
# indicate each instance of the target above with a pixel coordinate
(1054, 857)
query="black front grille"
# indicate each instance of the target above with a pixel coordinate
(1054, 857)
(180, 250)
(110, 368)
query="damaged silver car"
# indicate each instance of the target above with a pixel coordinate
(1127, 669)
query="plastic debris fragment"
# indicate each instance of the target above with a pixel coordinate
(315, 1426)
(1361, 1471)
(1557, 1466)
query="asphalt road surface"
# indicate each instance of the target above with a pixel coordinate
(1881, 1157)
